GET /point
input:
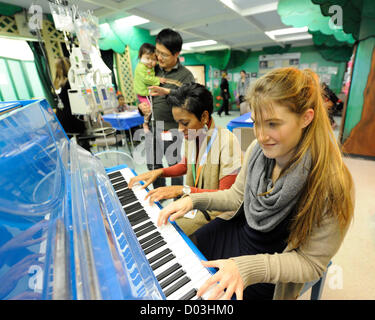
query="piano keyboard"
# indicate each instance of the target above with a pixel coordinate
(176, 267)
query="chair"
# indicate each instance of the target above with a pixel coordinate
(316, 286)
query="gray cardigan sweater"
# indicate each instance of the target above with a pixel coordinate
(290, 269)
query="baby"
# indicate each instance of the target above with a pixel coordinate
(144, 76)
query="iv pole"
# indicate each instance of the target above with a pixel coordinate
(153, 128)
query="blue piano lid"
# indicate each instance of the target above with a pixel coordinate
(56, 213)
(5, 106)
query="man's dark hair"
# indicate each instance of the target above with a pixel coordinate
(119, 96)
(146, 48)
(170, 39)
(192, 97)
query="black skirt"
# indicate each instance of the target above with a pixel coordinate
(223, 239)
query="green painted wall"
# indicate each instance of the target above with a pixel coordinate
(309, 55)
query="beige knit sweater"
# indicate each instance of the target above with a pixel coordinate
(290, 269)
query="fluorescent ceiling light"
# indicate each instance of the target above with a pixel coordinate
(189, 45)
(280, 32)
(296, 37)
(131, 21)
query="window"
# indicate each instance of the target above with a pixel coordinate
(19, 79)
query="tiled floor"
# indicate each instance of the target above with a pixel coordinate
(352, 274)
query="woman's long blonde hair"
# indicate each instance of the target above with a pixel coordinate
(62, 66)
(329, 185)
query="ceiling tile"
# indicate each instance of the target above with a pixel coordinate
(183, 11)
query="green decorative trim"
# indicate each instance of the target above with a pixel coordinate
(351, 13)
(9, 9)
(336, 54)
(327, 40)
(277, 49)
(301, 13)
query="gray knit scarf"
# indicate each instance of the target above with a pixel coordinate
(264, 213)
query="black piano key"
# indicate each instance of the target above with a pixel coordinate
(174, 277)
(136, 222)
(151, 236)
(144, 231)
(123, 193)
(163, 261)
(126, 194)
(137, 216)
(133, 208)
(126, 202)
(154, 247)
(190, 295)
(116, 180)
(114, 174)
(134, 211)
(167, 272)
(177, 286)
(120, 185)
(143, 226)
(128, 198)
(158, 256)
(151, 242)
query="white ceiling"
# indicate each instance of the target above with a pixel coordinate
(236, 24)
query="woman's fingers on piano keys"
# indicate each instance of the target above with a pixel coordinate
(133, 181)
(155, 195)
(174, 210)
(228, 280)
(168, 192)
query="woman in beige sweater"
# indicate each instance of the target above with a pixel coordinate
(293, 196)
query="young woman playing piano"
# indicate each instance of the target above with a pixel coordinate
(294, 194)
(215, 165)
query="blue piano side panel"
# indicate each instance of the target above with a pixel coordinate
(32, 198)
(45, 195)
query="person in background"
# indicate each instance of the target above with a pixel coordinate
(71, 124)
(144, 76)
(122, 106)
(225, 94)
(294, 197)
(242, 86)
(333, 104)
(192, 107)
(168, 48)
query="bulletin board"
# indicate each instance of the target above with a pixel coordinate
(272, 61)
(199, 73)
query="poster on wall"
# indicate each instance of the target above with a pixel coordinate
(272, 61)
(199, 73)
(325, 77)
(332, 70)
(314, 67)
